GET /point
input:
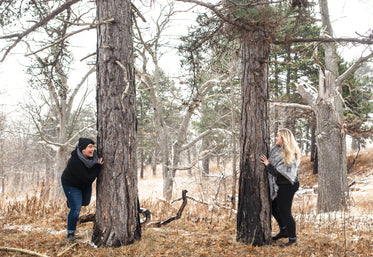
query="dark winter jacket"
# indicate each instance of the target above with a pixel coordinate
(76, 174)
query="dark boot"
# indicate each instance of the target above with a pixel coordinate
(282, 234)
(71, 238)
(292, 242)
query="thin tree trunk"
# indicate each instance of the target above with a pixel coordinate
(154, 162)
(206, 160)
(355, 144)
(142, 163)
(234, 150)
(117, 207)
(189, 161)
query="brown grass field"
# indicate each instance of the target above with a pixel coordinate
(204, 229)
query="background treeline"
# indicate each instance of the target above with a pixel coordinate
(183, 123)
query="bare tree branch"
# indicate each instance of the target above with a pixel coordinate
(202, 155)
(363, 41)
(58, 41)
(353, 68)
(94, 25)
(292, 105)
(28, 252)
(77, 88)
(204, 134)
(177, 216)
(138, 12)
(68, 142)
(22, 35)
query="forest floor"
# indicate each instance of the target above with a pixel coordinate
(206, 227)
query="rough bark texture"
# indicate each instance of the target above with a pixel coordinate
(331, 138)
(254, 210)
(117, 210)
(234, 151)
(331, 147)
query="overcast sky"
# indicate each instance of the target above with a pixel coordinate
(348, 16)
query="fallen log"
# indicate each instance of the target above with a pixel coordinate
(177, 216)
(10, 249)
(91, 217)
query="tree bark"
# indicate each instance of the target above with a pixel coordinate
(254, 210)
(331, 138)
(331, 148)
(117, 207)
(314, 146)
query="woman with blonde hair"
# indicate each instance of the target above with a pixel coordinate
(282, 167)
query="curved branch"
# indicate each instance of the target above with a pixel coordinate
(204, 134)
(77, 88)
(177, 216)
(20, 36)
(201, 156)
(68, 142)
(353, 68)
(60, 40)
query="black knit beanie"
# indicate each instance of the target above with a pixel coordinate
(84, 142)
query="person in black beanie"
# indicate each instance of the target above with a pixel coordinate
(82, 169)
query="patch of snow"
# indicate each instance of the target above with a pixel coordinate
(26, 228)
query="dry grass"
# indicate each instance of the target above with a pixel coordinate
(39, 225)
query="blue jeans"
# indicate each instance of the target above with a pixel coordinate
(76, 198)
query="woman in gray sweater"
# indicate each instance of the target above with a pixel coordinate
(282, 167)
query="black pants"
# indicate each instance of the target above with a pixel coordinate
(281, 207)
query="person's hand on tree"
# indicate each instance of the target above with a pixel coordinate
(100, 161)
(264, 159)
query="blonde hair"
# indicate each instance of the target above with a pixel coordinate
(289, 145)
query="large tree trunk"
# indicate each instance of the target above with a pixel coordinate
(117, 210)
(254, 209)
(331, 138)
(313, 145)
(331, 148)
